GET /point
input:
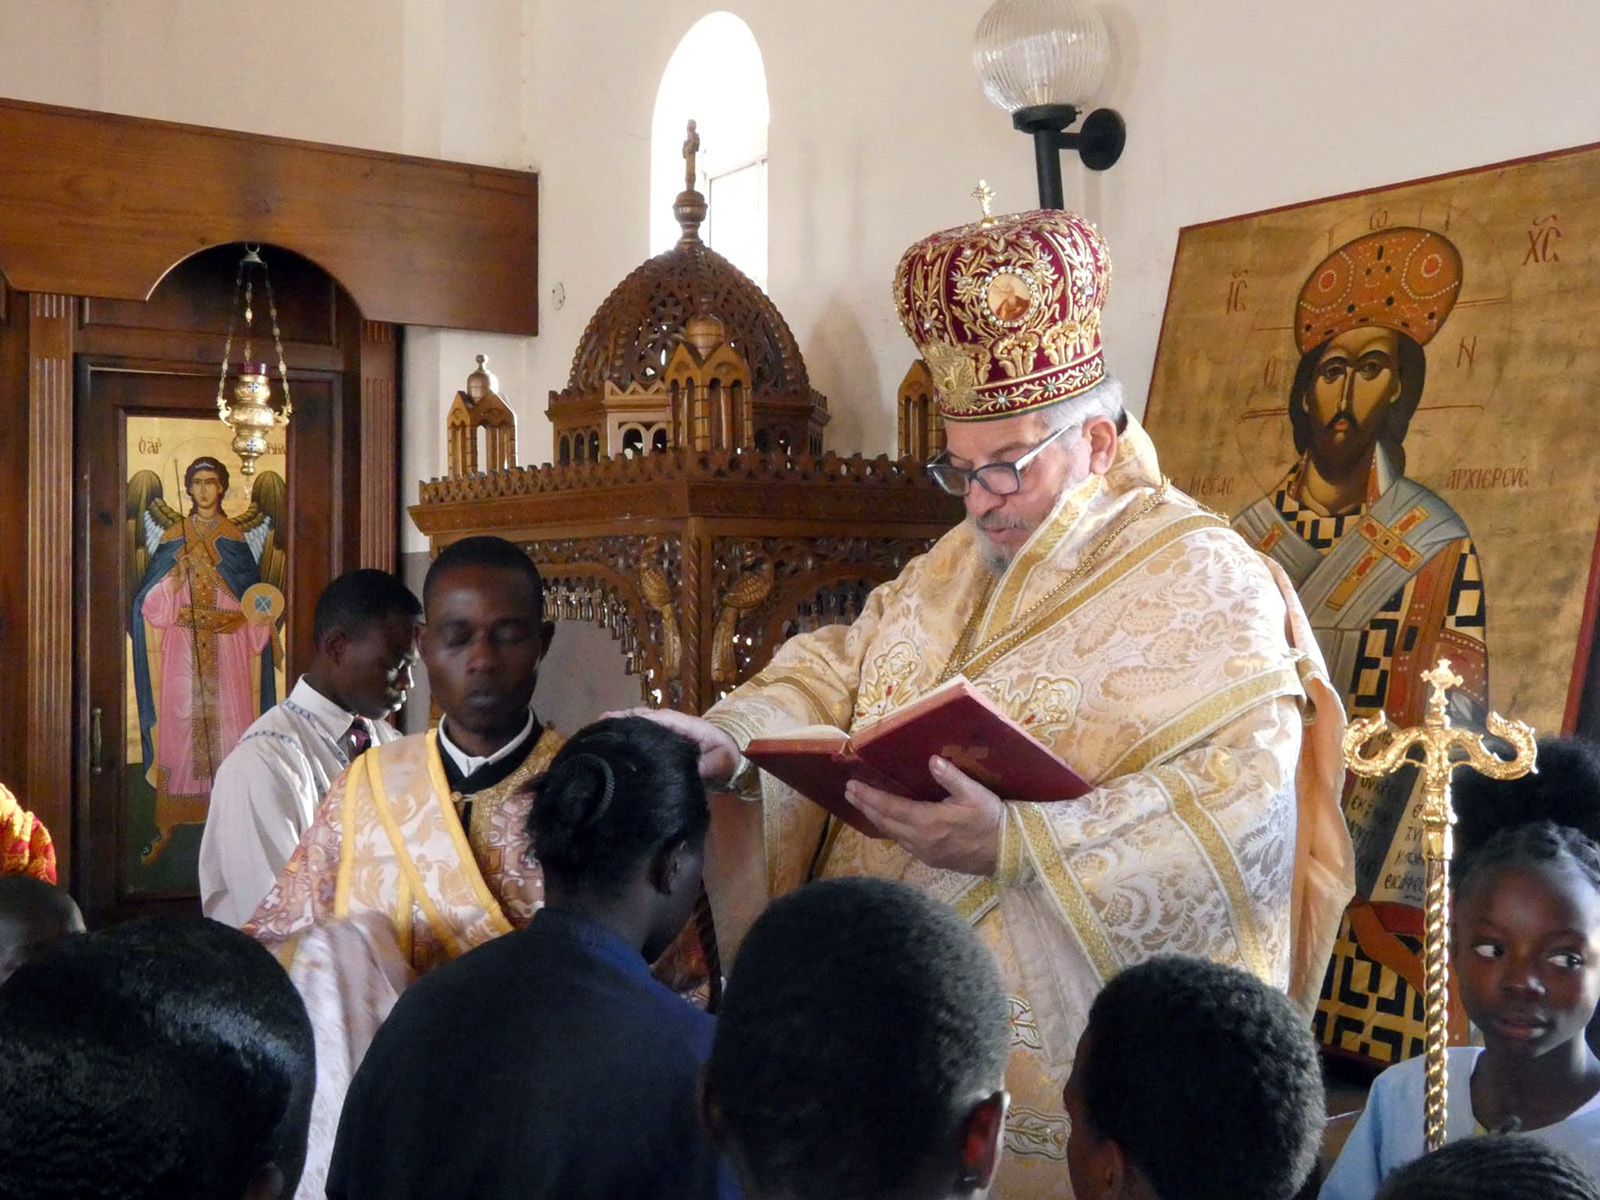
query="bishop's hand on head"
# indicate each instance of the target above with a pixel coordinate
(719, 753)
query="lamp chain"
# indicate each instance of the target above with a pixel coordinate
(252, 256)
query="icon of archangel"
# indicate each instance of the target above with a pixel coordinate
(207, 600)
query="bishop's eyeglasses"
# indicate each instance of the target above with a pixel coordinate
(998, 478)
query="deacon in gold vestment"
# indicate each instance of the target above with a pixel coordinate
(420, 850)
(1127, 627)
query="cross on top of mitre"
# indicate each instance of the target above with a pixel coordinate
(984, 195)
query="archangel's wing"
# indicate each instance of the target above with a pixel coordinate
(148, 517)
(265, 527)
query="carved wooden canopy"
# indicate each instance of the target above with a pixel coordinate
(701, 564)
(687, 351)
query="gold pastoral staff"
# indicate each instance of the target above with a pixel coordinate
(1438, 741)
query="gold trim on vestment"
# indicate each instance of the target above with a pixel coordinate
(1306, 671)
(824, 715)
(977, 902)
(284, 950)
(1008, 861)
(1186, 804)
(831, 829)
(490, 800)
(408, 868)
(969, 633)
(1067, 893)
(458, 835)
(1204, 718)
(1113, 573)
(771, 842)
(347, 850)
(1042, 549)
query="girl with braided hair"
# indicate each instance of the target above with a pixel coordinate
(1525, 953)
(548, 1062)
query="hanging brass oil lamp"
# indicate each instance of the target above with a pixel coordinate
(251, 416)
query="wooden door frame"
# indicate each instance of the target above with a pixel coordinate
(98, 844)
(51, 321)
(55, 749)
(94, 205)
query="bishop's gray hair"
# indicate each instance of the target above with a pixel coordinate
(1104, 399)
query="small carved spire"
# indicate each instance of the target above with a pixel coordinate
(482, 381)
(690, 206)
(691, 147)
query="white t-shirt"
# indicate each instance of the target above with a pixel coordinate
(1390, 1131)
(265, 795)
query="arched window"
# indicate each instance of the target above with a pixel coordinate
(716, 78)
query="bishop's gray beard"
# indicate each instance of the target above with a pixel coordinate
(995, 558)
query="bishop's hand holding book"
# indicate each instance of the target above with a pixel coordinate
(955, 722)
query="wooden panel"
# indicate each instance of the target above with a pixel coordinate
(48, 788)
(320, 495)
(380, 447)
(14, 539)
(95, 204)
(198, 294)
(195, 349)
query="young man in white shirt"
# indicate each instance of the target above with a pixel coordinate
(268, 789)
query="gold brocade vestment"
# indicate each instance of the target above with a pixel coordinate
(387, 842)
(385, 885)
(1177, 673)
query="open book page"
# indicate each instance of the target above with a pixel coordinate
(821, 738)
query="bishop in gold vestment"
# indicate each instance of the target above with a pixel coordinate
(1129, 629)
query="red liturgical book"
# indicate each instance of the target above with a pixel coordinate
(954, 721)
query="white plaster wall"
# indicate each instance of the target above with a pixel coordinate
(878, 133)
(439, 78)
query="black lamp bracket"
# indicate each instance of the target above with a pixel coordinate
(1099, 142)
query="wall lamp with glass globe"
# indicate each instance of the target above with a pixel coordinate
(1042, 61)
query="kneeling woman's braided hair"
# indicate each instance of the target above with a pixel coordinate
(617, 792)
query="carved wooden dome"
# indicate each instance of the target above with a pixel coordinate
(659, 345)
(631, 335)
